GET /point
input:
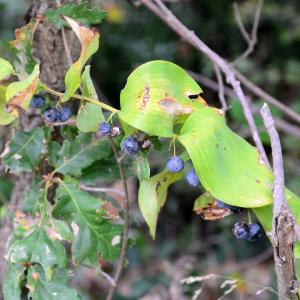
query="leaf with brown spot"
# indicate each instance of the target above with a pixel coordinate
(23, 46)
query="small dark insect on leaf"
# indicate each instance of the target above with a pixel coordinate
(213, 212)
(193, 97)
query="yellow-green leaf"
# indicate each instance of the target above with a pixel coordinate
(156, 97)
(89, 114)
(228, 166)
(89, 39)
(5, 117)
(152, 196)
(6, 68)
(19, 93)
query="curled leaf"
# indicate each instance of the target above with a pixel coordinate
(19, 93)
(89, 39)
(6, 68)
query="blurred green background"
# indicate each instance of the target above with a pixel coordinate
(186, 244)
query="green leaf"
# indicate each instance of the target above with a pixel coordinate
(142, 168)
(89, 115)
(5, 117)
(6, 68)
(23, 46)
(93, 234)
(19, 93)
(228, 167)
(73, 156)
(158, 92)
(153, 194)
(33, 197)
(42, 289)
(105, 170)
(89, 40)
(39, 248)
(79, 12)
(23, 152)
(13, 281)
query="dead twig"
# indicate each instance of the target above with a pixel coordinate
(126, 224)
(221, 88)
(96, 189)
(251, 40)
(283, 222)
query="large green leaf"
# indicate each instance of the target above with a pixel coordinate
(19, 93)
(6, 68)
(73, 156)
(23, 46)
(89, 115)
(156, 96)
(79, 12)
(93, 234)
(39, 248)
(23, 152)
(12, 282)
(89, 39)
(55, 289)
(228, 167)
(5, 117)
(153, 194)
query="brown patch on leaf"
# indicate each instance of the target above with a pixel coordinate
(146, 97)
(213, 212)
(170, 106)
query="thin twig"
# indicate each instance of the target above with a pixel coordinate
(250, 40)
(221, 88)
(283, 222)
(126, 224)
(160, 10)
(96, 189)
(283, 125)
(66, 46)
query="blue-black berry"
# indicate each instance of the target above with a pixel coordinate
(255, 232)
(130, 146)
(37, 101)
(192, 178)
(241, 230)
(234, 209)
(65, 113)
(104, 128)
(175, 164)
(52, 115)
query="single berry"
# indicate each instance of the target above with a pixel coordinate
(255, 232)
(52, 115)
(37, 101)
(234, 209)
(130, 146)
(175, 164)
(192, 178)
(65, 113)
(104, 128)
(241, 230)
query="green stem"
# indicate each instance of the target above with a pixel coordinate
(81, 97)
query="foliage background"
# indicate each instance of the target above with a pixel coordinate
(185, 244)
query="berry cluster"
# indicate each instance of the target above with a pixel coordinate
(250, 232)
(54, 114)
(37, 101)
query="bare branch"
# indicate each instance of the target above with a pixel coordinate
(283, 125)
(101, 190)
(126, 224)
(159, 9)
(283, 222)
(250, 40)
(221, 88)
